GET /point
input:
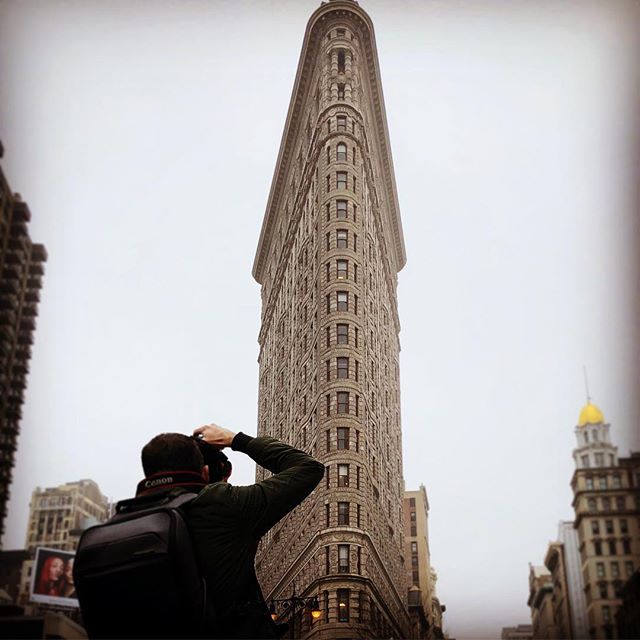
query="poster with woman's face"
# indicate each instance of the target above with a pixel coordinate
(52, 578)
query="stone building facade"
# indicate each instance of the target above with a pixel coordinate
(57, 517)
(424, 607)
(21, 271)
(606, 502)
(599, 551)
(329, 252)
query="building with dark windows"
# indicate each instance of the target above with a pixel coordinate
(424, 606)
(21, 270)
(582, 593)
(329, 252)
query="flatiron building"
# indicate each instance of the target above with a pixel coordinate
(329, 252)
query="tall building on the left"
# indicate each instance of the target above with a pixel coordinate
(21, 271)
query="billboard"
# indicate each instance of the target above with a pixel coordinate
(52, 578)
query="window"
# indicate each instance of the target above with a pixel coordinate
(341, 122)
(589, 482)
(414, 547)
(624, 527)
(342, 239)
(342, 269)
(620, 503)
(341, 61)
(358, 509)
(606, 504)
(599, 459)
(341, 91)
(602, 589)
(343, 558)
(597, 548)
(415, 576)
(328, 403)
(628, 568)
(606, 614)
(328, 439)
(615, 570)
(342, 298)
(340, 33)
(357, 371)
(327, 514)
(327, 470)
(343, 513)
(328, 337)
(603, 483)
(343, 605)
(616, 482)
(359, 570)
(595, 527)
(343, 367)
(343, 475)
(341, 152)
(342, 333)
(608, 525)
(343, 437)
(357, 441)
(626, 547)
(341, 179)
(327, 566)
(341, 207)
(600, 569)
(343, 402)
(357, 476)
(585, 461)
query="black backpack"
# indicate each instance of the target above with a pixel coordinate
(136, 576)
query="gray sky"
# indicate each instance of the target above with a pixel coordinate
(144, 137)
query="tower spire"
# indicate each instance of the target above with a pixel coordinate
(586, 384)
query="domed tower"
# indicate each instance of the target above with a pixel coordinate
(329, 253)
(594, 443)
(606, 503)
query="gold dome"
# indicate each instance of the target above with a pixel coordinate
(590, 414)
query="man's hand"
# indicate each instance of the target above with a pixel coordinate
(215, 435)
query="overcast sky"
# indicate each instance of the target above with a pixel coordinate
(143, 136)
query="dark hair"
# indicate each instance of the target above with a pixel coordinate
(218, 463)
(171, 452)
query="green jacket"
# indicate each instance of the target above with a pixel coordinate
(227, 522)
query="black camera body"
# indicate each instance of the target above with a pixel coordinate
(218, 463)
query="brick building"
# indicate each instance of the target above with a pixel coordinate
(328, 256)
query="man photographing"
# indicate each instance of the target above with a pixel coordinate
(225, 524)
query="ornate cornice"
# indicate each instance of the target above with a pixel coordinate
(313, 34)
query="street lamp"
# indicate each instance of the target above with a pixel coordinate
(293, 604)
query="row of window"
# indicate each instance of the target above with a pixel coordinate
(614, 569)
(344, 439)
(342, 369)
(342, 153)
(342, 123)
(342, 270)
(342, 210)
(344, 474)
(342, 240)
(342, 180)
(344, 302)
(609, 527)
(343, 403)
(344, 514)
(606, 504)
(612, 547)
(602, 482)
(599, 460)
(342, 335)
(344, 559)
